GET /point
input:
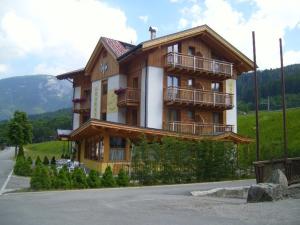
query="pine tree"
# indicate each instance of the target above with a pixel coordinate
(93, 179)
(79, 178)
(122, 179)
(108, 179)
(53, 161)
(38, 161)
(46, 161)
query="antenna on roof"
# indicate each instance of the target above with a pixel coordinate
(152, 32)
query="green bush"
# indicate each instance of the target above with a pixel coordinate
(29, 160)
(79, 178)
(53, 161)
(22, 167)
(40, 179)
(122, 179)
(108, 179)
(93, 179)
(61, 180)
(38, 161)
(21, 152)
(46, 161)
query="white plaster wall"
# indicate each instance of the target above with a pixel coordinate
(76, 116)
(155, 97)
(113, 83)
(231, 115)
(96, 99)
(142, 102)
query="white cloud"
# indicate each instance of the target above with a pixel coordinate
(270, 21)
(291, 57)
(183, 23)
(58, 32)
(3, 68)
(144, 18)
(53, 69)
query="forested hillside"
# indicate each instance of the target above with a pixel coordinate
(269, 87)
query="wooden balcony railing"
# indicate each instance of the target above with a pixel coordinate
(82, 106)
(197, 128)
(177, 95)
(196, 63)
(128, 97)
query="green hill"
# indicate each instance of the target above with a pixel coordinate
(269, 87)
(271, 134)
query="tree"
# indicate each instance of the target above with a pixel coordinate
(19, 130)
(22, 167)
(46, 161)
(79, 178)
(41, 179)
(108, 179)
(38, 161)
(53, 161)
(29, 160)
(122, 179)
(93, 179)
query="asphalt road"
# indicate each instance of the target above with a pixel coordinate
(6, 164)
(147, 205)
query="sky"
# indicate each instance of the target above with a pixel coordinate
(56, 36)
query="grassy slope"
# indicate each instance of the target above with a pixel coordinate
(49, 149)
(271, 133)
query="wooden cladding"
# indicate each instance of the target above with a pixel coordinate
(175, 60)
(197, 97)
(82, 105)
(197, 128)
(128, 97)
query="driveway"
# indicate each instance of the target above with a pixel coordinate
(6, 165)
(146, 205)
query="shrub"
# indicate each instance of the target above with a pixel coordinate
(22, 167)
(79, 178)
(61, 180)
(123, 179)
(53, 161)
(62, 156)
(40, 179)
(93, 179)
(46, 161)
(108, 179)
(21, 152)
(38, 161)
(29, 160)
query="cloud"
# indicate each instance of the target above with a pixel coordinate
(291, 57)
(183, 23)
(58, 32)
(3, 68)
(270, 20)
(144, 18)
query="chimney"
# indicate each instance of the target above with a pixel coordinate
(152, 32)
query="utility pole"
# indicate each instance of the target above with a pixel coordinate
(256, 96)
(283, 101)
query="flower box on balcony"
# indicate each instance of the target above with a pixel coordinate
(120, 91)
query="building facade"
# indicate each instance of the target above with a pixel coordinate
(181, 85)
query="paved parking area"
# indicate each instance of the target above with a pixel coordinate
(147, 205)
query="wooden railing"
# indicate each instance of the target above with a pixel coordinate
(82, 106)
(129, 97)
(197, 128)
(198, 97)
(197, 63)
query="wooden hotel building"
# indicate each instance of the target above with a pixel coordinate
(180, 85)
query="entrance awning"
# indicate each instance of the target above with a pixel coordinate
(99, 127)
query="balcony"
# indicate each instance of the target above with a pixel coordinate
(128, 97)
(197, 97)
(180, 62)
(81, 105)
(197, 128)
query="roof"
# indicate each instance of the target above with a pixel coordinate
(70, 74)
(94, 126)
(63, 134)
(118, 47)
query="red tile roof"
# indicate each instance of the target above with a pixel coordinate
(118, 47)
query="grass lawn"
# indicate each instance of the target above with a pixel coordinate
(271, 132)
(49, 149)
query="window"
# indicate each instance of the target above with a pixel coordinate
(174, 48)
(94, 148)
(117, 148)
(103, 116)
(173, 81)
(135, 82)
(134, 117)
(190, 83)
(215, 86)
(217, 118)
(191, 51)
(191, 115)
(173, 115)
(104, 88)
